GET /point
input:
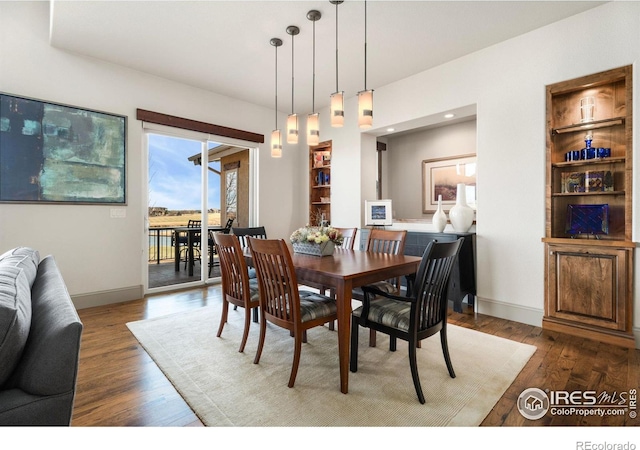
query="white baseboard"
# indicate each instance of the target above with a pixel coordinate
(107, 297)
(522, 314)
(530, 316)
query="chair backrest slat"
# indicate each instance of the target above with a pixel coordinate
(386, 241)
(233, 268)
(432, 282)
(243, 233)
(349, 237)
(279, 295)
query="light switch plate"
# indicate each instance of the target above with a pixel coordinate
(118, 213)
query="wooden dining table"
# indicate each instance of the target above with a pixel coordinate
(343, 271)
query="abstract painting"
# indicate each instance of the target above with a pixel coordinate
(54, 153)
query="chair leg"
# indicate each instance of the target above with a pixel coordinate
(255, 315)
(332, 294)
(263, 332)
(414, 370)
(296, 358)
(372, 338)
(392, 343)
(223, 317)
(445, 351)
(247, 324)
(353, 363)
(304, 336)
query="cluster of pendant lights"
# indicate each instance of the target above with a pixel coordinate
(365, 97)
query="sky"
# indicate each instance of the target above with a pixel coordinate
(174, 181)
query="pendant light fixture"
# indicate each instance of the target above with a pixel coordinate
(313, 119)
(365, 97)
(276, 138)
(292, 119)
(337, 98)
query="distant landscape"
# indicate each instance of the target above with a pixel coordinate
(182, 219)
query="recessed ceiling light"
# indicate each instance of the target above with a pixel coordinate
(449, 116)
(391, 129)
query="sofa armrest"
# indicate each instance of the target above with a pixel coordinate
(49, 364)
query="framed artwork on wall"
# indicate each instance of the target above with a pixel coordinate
(441, 176)
(54, 153)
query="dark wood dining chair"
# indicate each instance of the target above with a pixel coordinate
(281, 302)
(383, 241)
(243, 233)
(237, 289)
(411, 318)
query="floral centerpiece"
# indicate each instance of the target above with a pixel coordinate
(319, 241)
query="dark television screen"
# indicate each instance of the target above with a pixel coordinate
(587, 219)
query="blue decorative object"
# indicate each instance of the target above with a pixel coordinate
(587, 219)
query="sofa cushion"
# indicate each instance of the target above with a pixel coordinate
(23, 257)
(15, 317)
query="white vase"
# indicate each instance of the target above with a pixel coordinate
(461, 214)
(439, 217)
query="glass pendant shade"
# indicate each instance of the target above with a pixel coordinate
(276, 144)
(337, 109)
(292, 129)
(365, 108)
(313, 129)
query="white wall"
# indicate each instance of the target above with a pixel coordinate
(101, 257)
(507, 83)
(404, 158)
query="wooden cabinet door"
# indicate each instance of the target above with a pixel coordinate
(589, 285)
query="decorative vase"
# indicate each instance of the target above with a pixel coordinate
(439, 217)
(324, 249)
(461, 214)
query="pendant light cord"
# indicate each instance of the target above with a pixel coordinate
(337, 47)
(276, 89)
(313, 85)
(365, 45)
(292, 76)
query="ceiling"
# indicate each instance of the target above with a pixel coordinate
(223, 46)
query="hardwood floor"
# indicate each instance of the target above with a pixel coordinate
(119, 384)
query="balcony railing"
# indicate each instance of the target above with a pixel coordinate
(160, 244)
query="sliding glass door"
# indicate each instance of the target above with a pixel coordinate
(195, 187)
(175, 211)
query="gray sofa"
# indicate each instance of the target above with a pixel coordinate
(39, 341)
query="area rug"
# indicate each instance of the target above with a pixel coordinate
(225, 388)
